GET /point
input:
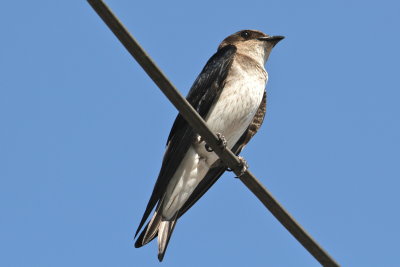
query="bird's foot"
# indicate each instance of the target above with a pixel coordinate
(221, 143)
(242, 165)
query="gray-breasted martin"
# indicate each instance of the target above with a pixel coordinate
(230, 95)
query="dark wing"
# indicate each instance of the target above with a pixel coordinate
(218, 168)
(204, 92)
(253, 127)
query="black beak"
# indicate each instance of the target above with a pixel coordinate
(273, 39)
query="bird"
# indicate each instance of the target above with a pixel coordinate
(230, 95)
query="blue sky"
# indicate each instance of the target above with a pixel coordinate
(84, 129)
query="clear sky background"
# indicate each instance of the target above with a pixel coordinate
(83, 131)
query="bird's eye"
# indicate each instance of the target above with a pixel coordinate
(245, 34)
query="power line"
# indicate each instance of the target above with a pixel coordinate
(199, 125)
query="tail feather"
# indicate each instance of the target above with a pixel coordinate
(164, 234)
(161, 227)
(139, 240)
(150, 231)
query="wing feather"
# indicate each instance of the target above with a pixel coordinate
(204, 92)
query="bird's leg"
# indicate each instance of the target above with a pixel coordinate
(242, 165)
(221, 143)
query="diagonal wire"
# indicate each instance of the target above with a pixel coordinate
(199, 125)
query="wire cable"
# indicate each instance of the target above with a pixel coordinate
(199, 125)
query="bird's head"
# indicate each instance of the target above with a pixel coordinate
(252, 43)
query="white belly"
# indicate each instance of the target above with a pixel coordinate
(230, 116)
(237, 105)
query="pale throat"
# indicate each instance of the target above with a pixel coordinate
(256, 51)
